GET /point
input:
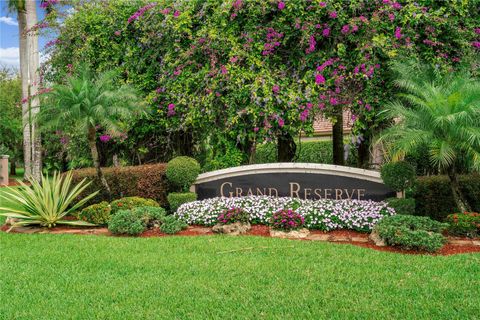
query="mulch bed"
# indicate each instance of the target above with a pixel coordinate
(338, 236)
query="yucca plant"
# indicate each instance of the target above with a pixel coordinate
(47, 202)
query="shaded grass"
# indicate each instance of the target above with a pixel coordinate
(93, 277)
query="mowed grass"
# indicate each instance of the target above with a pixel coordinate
(95, 277)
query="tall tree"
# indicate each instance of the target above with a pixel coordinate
(439, 111)
(34, 83)
(29, 74)
(88, 103)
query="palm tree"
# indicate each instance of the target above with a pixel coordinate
(87, 102)
(441, 112)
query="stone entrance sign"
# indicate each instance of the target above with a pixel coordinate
(298, 180)
(3, 170)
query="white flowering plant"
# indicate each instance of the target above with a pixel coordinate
(326, 215)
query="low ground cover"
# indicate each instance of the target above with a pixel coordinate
(227, 277)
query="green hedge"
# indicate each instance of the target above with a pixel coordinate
(433, 196)
(146, 181)
(307, 151)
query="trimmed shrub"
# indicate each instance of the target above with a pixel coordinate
(233, 215)
(433, 195)
(151, 216)
(129, 203)
(127, 222)
(98, 213)
(398, 175)
(172, 225)
(176, 199)
(411, 232)
(146, 181)
(402, 206)
(465, 224)
(322, 214)
(182, 172)
(287, 220)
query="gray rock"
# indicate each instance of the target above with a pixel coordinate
(232, 229)
(375, 237)
(294, 234)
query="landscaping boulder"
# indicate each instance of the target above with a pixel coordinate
(232, 229)
(293, 234)
(375, 238)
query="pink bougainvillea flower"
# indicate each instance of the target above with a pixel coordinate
(333, 101)
(322, 4)
(476, 44)
(281, 5)
(398, 33)
(396, 6)
(223, 70)
(319, 79)
(176, 14)
(256, 129)
(281, 122)
(171, 110)
(275, 89)
(105, 138)
(118, 32)
(333, 14)
(326, 32)
(345, 29)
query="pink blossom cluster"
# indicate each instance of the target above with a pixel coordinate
(273, 41)
(105, 138)
(232, 215)
(140, 12)
(311, 45)
(46, 3)
(287, 219)
(52, 43)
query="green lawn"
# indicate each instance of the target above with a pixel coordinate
(94, 277)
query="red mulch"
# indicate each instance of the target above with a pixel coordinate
(263, 231)
(11, 183)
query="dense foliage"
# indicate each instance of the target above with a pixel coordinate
(146, 181)
(433, 195)
(398, 175)
(256, 70)
(129, 203)
(98, 213)
(464, 224)
(323, 214)
(127, 222)
(411, 232)
(402, 205)
(176, 199)
(11, 119)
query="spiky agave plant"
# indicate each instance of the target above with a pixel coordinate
(47, 202)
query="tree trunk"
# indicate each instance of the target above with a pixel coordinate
(286, 147)
(363, 157)
(96, 162)
(13, 168)
(27, 149)
(458, 197)
(34, 83)
(337, 138)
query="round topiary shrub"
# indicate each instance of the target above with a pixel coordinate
(98, 213)
(182, 172)
(176, 199)
(128, 203)
(398, 175)
(127, 222)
